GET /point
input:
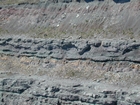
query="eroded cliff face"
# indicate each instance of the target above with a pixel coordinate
(47, 91)
(74, 52)
(60, 72)
(94, 50)
(102, 19)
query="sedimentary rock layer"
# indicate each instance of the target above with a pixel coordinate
(48, 91)
(37, 59)
(95, 50)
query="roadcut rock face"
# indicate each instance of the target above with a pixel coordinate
(69, 52)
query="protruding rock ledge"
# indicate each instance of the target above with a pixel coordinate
(61, 92)
(95, 50)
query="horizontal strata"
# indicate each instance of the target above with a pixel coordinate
(46, 91)
(80, 49)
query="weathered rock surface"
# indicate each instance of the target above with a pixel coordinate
(95, 50)
(54, 91)
(36, 69)
(68, 58)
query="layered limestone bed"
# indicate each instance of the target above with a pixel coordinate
(95, 50)
(49, 91)
(69, 52)
(66, 71)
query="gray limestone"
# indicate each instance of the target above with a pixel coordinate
(45, 90)
(95, 50)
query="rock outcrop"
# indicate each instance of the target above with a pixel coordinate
(48, 91)
(36, 89)
(95, 50)
(69, 52)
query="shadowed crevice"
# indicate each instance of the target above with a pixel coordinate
(86, 49)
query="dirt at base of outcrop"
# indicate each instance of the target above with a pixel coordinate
(116, 73)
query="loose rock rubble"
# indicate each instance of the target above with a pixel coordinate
(61, 19)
